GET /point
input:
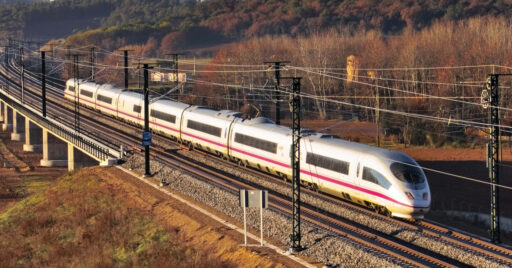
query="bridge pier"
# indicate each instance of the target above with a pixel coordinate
(2, 111)
(7, 125)
(55, 151)
(33, 137)
(77, 159)
(18, 127)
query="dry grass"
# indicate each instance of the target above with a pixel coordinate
(80, 221)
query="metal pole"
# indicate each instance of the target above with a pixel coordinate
(126, 69)
(93, 61)
(43, 83)
(138, 73)
(245, 227)
(377, 111)
(175, 69)
(261, 216)
(278, 82)
(295, 237)
(494, 157)
(76, 71)
(277, 73)
(68, 58)
(146, 119)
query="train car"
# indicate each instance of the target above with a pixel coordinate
(69, 90)
(261, 144)
(86, 91)
(107, 97)
(165, 117)
(130, 107)
(387, 181)
(207, 129)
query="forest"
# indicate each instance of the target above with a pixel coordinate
(436, 72)
(231, 18)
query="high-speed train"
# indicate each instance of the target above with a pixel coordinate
(387, 181)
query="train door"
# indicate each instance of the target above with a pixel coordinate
(357, 171)
(116, 107)
(229, 136)
(305, 148)
(182, 118)
(373, 180)
(121, 107)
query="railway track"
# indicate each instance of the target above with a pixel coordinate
(406, 252)
(457, 239)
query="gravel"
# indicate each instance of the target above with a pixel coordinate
(414, 237)
(320, 244)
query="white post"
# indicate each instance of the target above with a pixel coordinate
(261, 217)
(194, 65)
(245, 228)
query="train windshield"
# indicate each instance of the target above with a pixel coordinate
(407, 173)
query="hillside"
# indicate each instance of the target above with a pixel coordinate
(234, 19)
(92, 218)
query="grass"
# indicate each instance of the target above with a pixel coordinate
(80, 221)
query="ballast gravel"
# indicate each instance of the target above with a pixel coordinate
(320, 244)
(414, 237)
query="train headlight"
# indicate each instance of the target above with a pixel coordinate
(425, 196)
(409, 195)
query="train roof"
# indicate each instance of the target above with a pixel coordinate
(257, 121)
(361, 148)
(168, 102)
(110, 88)
(222, 114)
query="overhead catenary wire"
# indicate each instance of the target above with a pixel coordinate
(428, 169)
(405, 91)
(472, 84)
(423, 116)
(414, 115)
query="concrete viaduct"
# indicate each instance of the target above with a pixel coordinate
(60, 145)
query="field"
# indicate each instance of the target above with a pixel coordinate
(102, 217)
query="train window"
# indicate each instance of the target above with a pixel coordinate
(374, 176)
(136, 109)
(329, 136)
(86, 93)
(163, 116)
(71, 88)
(261, 144)
(328, 163)
(406, 172)
(104, 99)
(215, 131)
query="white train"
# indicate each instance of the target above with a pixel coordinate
(387, 181)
